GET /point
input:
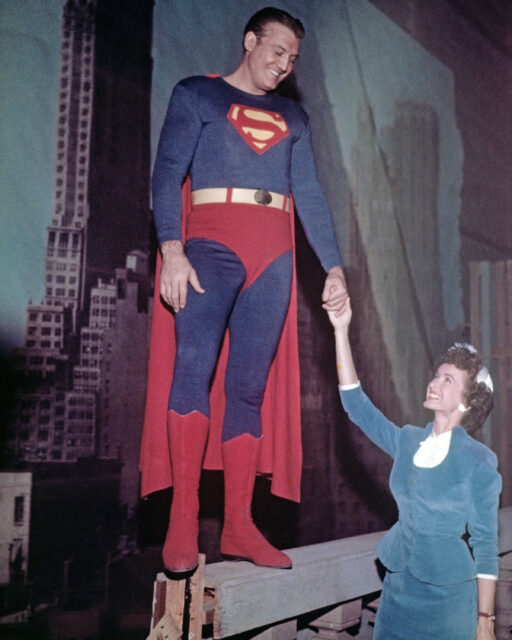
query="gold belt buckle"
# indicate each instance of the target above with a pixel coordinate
(262, 196)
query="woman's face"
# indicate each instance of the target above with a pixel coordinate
(446, 390)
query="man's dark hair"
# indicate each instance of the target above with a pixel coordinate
(261, 19)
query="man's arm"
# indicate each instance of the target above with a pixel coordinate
(315, 216)
(178, 140)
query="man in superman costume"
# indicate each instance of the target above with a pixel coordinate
(227, 272)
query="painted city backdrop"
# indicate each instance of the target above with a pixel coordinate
(394, 123)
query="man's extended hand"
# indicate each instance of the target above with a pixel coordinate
(175, 275)
(335, 294)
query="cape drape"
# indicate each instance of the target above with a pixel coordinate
(281, 450)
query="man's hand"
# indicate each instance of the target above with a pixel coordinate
(175, 275)
(335, 294)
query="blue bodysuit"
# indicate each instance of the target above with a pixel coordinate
(224, 137)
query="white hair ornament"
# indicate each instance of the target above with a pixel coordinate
(484, 376)
(463, 345)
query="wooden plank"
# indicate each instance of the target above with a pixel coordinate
(196, 603)
(178, 604)
(175, 600)
(159, 590)
(248, 597)
(325, 574)
(165, 629)
(245, 597)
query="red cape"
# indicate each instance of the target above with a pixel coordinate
(281, 450)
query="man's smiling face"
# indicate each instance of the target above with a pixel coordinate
(270, 59)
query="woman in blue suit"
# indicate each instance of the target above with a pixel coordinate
(445, 483)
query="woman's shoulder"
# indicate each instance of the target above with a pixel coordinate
(477, 451)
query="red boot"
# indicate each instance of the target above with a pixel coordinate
(187, 441)
(240, 538)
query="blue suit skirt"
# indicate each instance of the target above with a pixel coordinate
(413, 610)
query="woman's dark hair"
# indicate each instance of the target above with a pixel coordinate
(477, 395)
(261, 19)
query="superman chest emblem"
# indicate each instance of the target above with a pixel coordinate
(260, 129)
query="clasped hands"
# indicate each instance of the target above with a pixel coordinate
(335, 294)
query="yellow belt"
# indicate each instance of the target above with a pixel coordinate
(241, 196)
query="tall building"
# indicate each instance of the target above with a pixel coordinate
(15, 501)
(15, 495)
(97, 241)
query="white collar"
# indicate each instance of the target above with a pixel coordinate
(433, 450)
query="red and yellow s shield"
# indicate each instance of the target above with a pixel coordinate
(260, 129)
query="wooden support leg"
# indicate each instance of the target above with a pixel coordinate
(165, 629)
(331, 625)
(282, 631)
(178, 606)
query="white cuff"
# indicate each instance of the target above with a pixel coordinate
(486, 576)
(348, 387)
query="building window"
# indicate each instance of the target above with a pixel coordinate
(19, 509)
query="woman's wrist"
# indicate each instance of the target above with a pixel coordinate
(341, 330)
(485, 616)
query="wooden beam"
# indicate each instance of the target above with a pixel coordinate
(240, 597)
(248, 597)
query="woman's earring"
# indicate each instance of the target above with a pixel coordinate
(463, 408)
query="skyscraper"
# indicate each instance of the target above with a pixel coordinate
(100, 223)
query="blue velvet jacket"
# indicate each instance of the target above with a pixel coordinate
(436, 505)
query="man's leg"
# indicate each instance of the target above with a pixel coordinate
(200, 327)
(254, 331)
